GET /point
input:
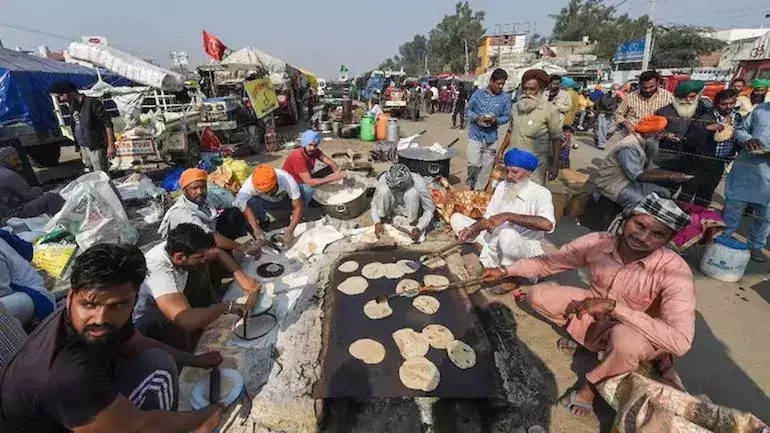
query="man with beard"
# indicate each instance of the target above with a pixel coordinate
(687, 105)
(517, 218)
(628, 173)
(557, 96)
(640, 305)
(487, 110)
(536, 127)
(606, 107)
(738, 85)
(166, 310)
(646, 100)
(758, 95)
(93, 126)
(301, 162)
(403, 198)
(712, 136)
(86, 369)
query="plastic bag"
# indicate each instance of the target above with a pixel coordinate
(152, 213)
(139, 187)
(171, 181)
(93, 213)
(238, 167)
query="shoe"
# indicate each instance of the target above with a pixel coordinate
(758, 256)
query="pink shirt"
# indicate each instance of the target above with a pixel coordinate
(655, 295)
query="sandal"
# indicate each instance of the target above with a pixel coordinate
(567, 346)
(570, 402)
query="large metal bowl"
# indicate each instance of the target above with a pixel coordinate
(350, 209)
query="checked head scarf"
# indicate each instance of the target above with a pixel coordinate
(399, 177)
(662, 209)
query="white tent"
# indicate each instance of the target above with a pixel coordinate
(276, 68)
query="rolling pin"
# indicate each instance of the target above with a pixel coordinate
(214, 385)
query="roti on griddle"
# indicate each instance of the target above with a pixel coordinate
(392, 271)
(408, 286)
(439, 336)
(426, 304)
(353, 286)
(438, 282)
(369, 351)
(348, 267)
(419, 374)
(411, 343)
(376, 310)
(405, 268)
(373, 271)
(461, 354)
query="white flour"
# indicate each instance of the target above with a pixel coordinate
(344, 196)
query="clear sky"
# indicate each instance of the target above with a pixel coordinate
(318, 35)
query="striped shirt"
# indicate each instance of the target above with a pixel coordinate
(634, 106)
(12, 335)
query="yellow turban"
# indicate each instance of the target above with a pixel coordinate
(651, 124)
(192, 175)
(263, 178)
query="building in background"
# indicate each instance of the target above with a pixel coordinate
(491, 49)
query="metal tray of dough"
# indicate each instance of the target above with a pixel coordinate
(345, 322)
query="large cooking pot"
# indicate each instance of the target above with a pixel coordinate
(425, 162)
(349, 209)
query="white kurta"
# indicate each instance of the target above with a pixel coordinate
(509, 242)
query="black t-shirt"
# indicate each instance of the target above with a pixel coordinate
(93, 119)
(56, 381)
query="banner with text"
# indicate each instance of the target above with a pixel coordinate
(629, 51)
(262, 96)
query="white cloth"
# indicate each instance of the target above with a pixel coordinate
(532, 199)
(186, 211)
(434, 93)
(163, 278)
(286, 186)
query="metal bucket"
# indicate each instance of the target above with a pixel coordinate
(350, 209)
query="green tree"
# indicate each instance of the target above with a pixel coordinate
(681, 46)
(412, 55)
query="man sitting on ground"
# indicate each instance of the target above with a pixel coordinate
(85, 368)
(517, 217)
(167, 310)
(631, 270)
(17, 198)
(270, 188)
(300, 162)
(628, 173)
(404, 194)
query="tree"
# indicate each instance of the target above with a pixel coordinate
(413, 54)
(681, 46)
(536, 41)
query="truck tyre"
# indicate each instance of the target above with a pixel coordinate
(45, 155)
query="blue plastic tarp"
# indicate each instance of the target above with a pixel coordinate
(25, 81)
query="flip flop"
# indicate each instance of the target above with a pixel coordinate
(570, 402)
(566, 346)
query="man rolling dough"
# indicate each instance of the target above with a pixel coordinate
(402, 193)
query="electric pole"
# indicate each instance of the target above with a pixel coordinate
(467, 60)
(648, 38)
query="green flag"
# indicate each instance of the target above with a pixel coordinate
(343, 69)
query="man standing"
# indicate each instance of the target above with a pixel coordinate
(585, 105)
(459, 109)
(487, 110)
(271, 188)
(738, 85)
(536, 127)
(748, 184)
(17, 197)
(434, 98)
(713, 137)
(86, 369)
(644, 101)
(165, 310)
(686, 106)
(301, 162)
(606, 107)
(628, 173)
(758, 95)
(517, 218)
(558, 96)
(92, 123)
(631, 271)
(403, 194)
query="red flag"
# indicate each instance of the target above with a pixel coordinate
(213, 46)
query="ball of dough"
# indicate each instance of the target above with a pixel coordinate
(369, 351)
(419, 374)
(353, 286)
(348, 267)
(411, 343)
(408, 286)
(426, 304)
(461, 355)
(375, 310)
(438, 336)
(373, 271)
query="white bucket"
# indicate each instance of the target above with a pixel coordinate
(725, 263)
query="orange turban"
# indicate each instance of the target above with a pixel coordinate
(651, 124)
(263, 178)
(192, 175)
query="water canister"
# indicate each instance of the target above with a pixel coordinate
(382, 126)
(367, 129)
(392, 135)
(725, 259)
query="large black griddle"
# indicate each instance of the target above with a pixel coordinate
(345, 376)
(426, 162)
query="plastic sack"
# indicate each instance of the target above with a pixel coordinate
(93, 213)
(139, 187)
(238, 167)
(171, 181)
(152, 213)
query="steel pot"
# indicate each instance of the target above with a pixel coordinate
(350, 209)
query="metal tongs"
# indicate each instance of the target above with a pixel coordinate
(432, 256)
(430, 289)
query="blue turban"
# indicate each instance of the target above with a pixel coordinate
(568, 82)
(521, 159)
(310, 137)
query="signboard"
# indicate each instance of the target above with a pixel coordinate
(262, 96)
(629, 51)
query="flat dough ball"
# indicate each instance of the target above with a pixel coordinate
(353, 286)
(393, 271)
(411, 343)
(437, 281)
(373, 271)
(461, 355)
(369, 351)
(376, 311)
(436, 263)
(426, 304)
(348, 267)
(439, 336)
(405, 268)
(419, 374)
(407, 285)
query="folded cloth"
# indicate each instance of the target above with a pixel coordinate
(705, 225)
